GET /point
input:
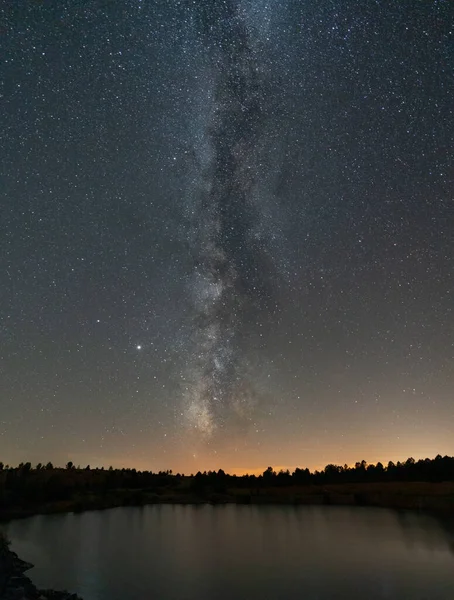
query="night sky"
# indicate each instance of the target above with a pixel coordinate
(226, 232)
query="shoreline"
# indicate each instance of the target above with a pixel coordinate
(14, 584)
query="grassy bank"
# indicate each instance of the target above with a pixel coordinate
(406, 495)
(436, 497)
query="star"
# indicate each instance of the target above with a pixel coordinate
(260, 191)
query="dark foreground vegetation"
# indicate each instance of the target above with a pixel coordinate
(424, 484)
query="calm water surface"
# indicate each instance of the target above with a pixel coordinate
(240, 552)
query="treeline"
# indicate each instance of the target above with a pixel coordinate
(438, 469)
(26, 486)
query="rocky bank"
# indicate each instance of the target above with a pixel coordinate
(15, 585)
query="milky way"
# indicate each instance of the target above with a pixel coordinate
(231, 278)
(226, 221)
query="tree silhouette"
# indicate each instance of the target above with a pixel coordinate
(269, 474)
(27, 487)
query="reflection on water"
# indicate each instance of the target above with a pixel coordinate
(240, 552)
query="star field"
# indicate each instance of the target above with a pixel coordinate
(226, 232)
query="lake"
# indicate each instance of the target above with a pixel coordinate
(235, 552)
